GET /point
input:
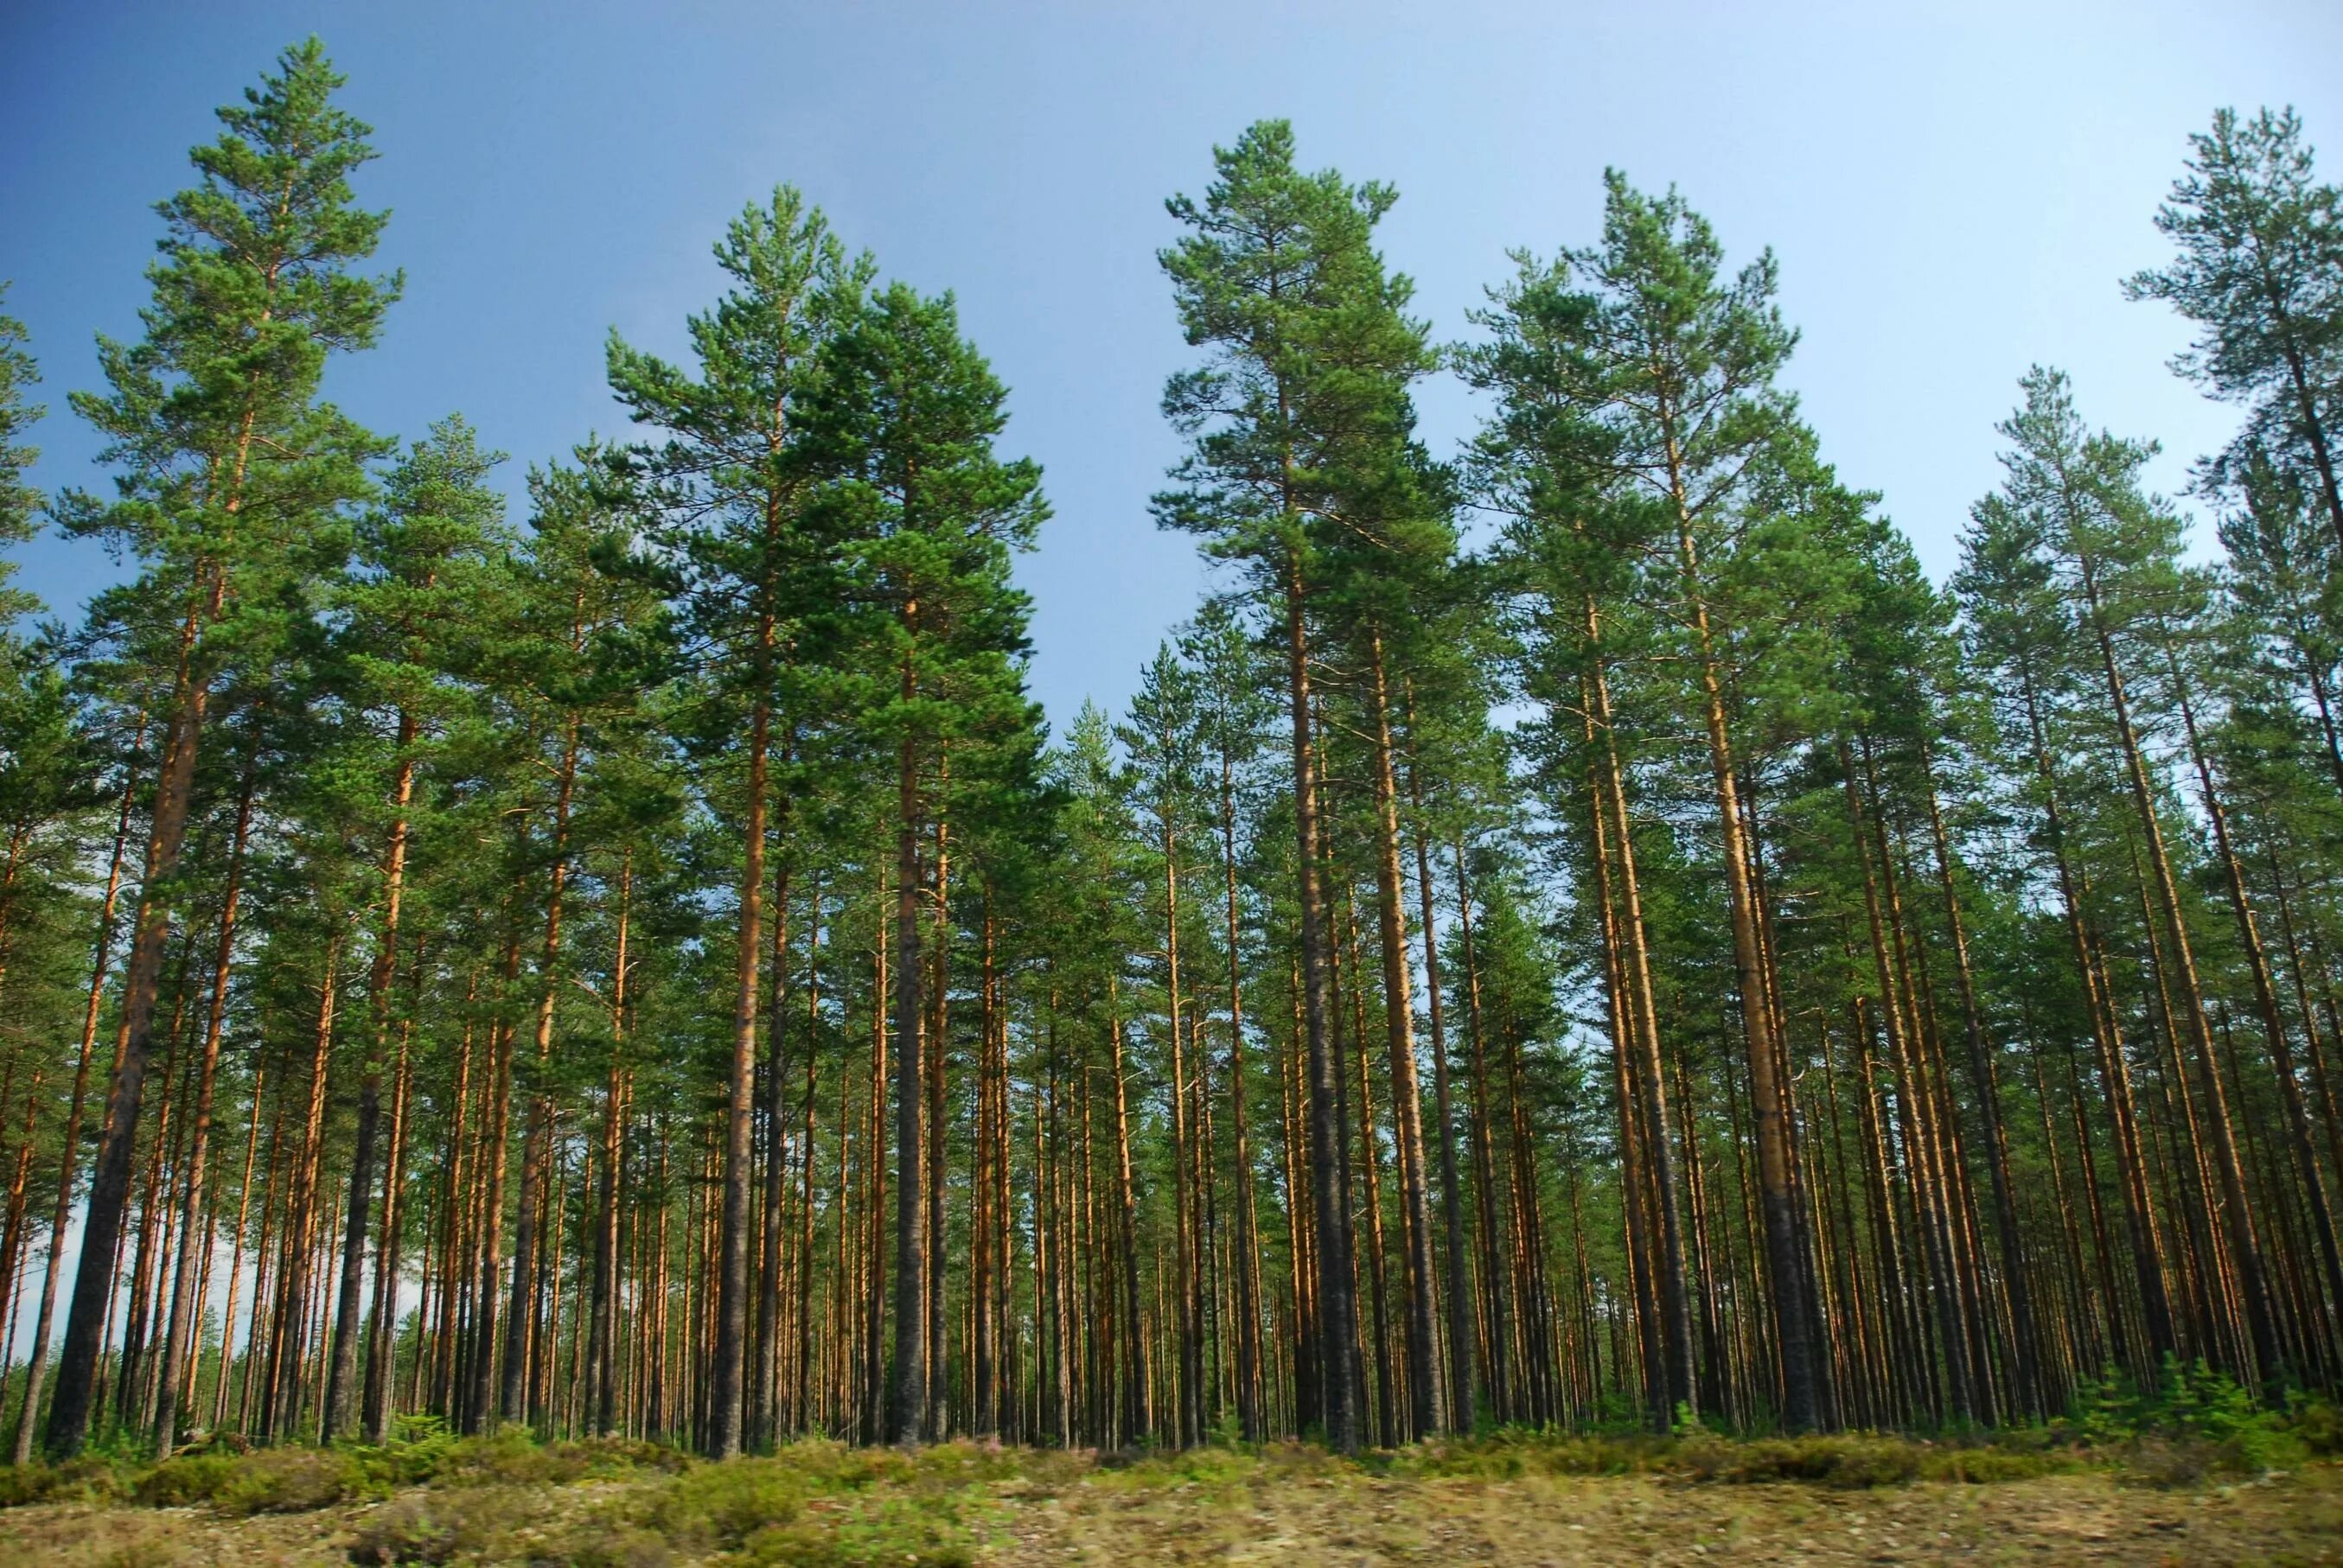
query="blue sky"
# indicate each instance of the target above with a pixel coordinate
(1953, 191)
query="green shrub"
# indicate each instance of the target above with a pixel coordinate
(90, 1478)
(1511, 1452)
(284, 1481)
(621, 1546)
(434, 1526)
(2194, 1422)
(2316, 1425)
(937, 1530)
(720, 1506)
(1851, 1459)
(1984, 1465)
(190, 1478)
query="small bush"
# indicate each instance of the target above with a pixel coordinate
(917, 1532)
(89, 1479)
(190, 1479)
(620, 1547)
(509, 1457)
(434, 1526)
(822, 1504)
(2317, 1426)
(419, 1447)
(720, 1506)
(1521, 1451)
(1983, 1466)
(2194, 1422)
(411, 1530)
(2172, 1463)
(284, 1481)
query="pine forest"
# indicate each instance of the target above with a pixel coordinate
(1576, 932)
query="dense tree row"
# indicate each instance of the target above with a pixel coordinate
(644, 967)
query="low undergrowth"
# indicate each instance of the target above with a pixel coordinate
(430, 1497)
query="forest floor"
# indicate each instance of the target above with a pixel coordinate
(1857, 1499)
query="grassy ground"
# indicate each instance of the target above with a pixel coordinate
(1529, 1500)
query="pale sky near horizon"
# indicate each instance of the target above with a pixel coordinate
(1953, 191)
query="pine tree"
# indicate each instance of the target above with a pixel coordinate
(1677, 372)
(228, 464)
(929, 518)
(2260, 272)
(2114, 550)
(426, 585)
(1279, 279)
(20, 503)
(735, 489)
(1232, 716)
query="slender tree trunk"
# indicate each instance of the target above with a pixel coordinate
(1424, 1391)
(383, 1351)
(1337, 1314)
(730, 1350)
(2139, 1213)
(2237, 1213)
(2266, 1002)
(1461, 1413)
(1138, 1418)
(193, 1262)
(2016, 1272)
(480, 1408)
(764, 1424)
(343, 1356)
(1768, 1098)
(1189, 1422)
(1923, 1148)
(69, 1146)
(1643, 1014)
(281, 1390)
(907, 1422)
(936, 1063)
(1484, 1175)
(1248, 1218)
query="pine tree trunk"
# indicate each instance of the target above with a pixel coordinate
(2016, 1272)
(1407, 1096)
(69, 1146)
(1188, 1424)
(2237, 1213)
(936, 1063)
(1463, 1416)
(343, 1356)
(1918, 1105)
(906, 1421)
(1337, 1314)
(2266, 1000)
(383, 1352)
(280, 1414)
(480, 1408)
(1494, 1279)
(1248, 1216)
(1644, 1030)
(601, 1392)
(109, 1193)
(983, 1263)
(1768, 1107)
(182, 1329)
(801, 1396)
(1138, 1417)
(762, 1422)
(2139, 1213)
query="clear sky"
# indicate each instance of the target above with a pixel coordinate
(1954, 191)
